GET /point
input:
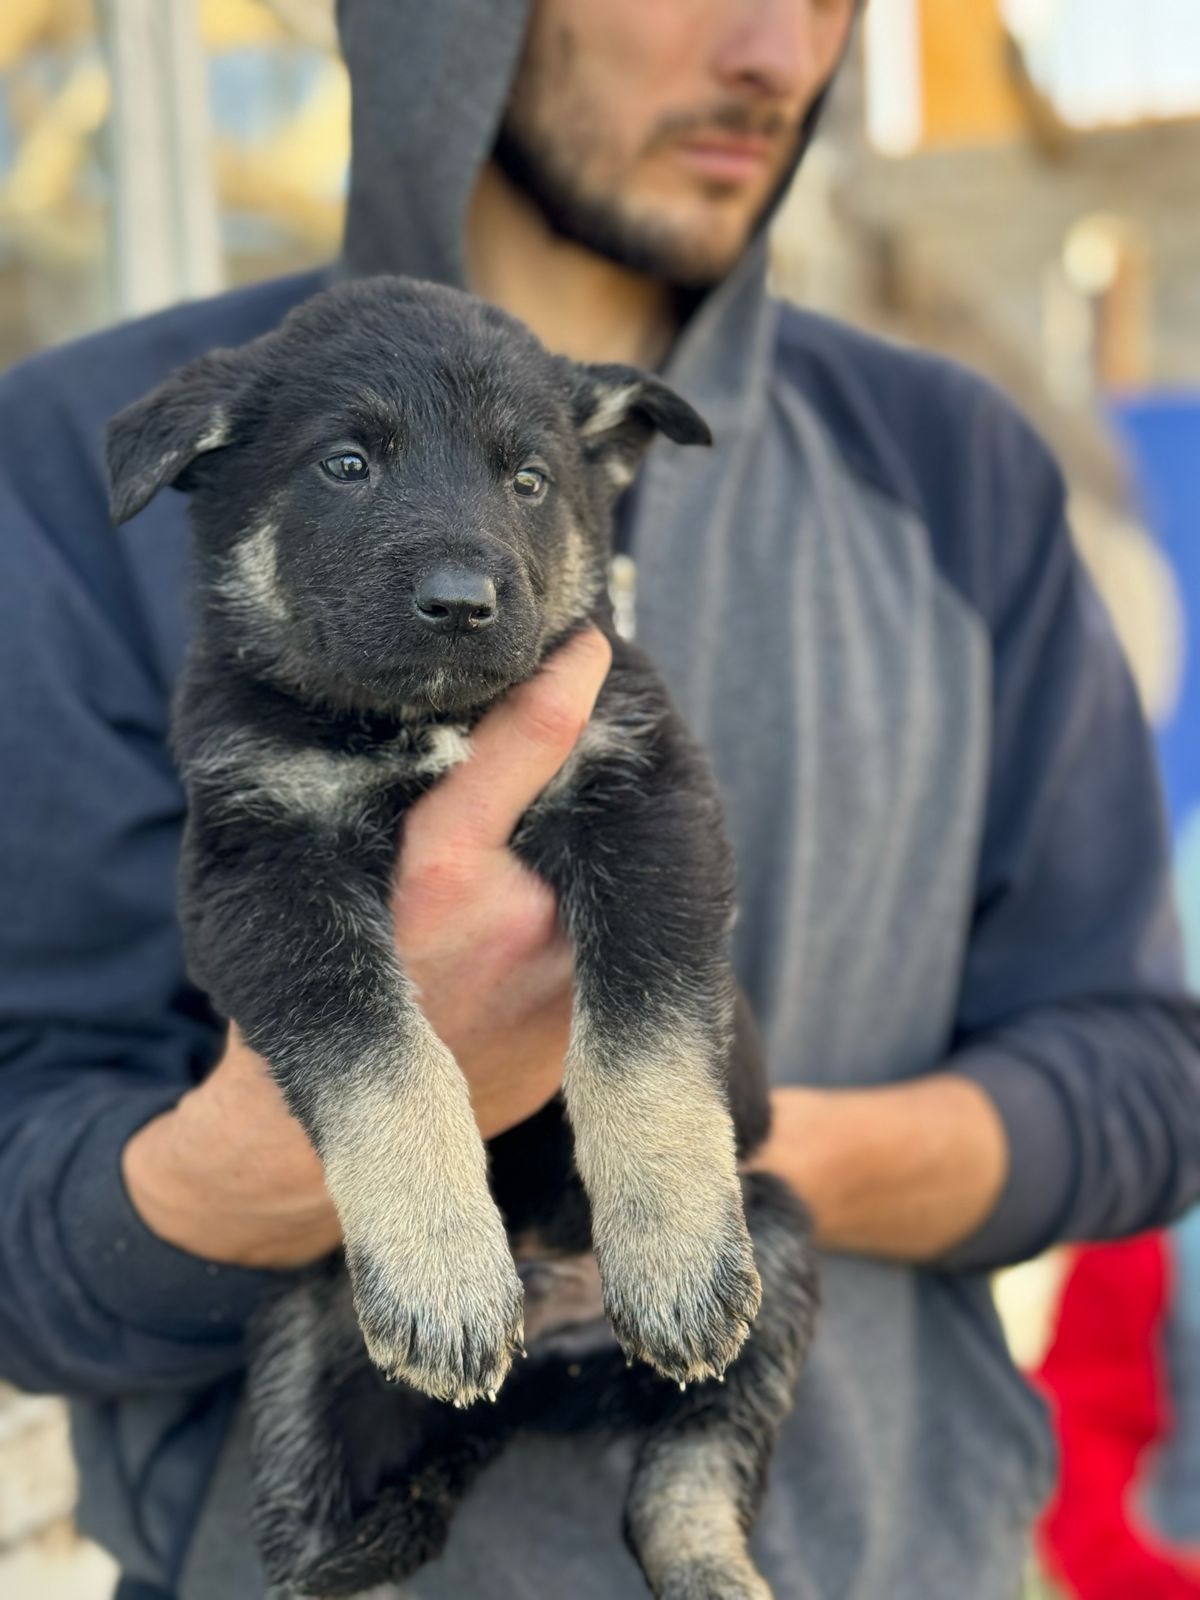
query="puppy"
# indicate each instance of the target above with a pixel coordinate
(400, 503)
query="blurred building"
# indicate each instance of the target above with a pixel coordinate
(152, 150)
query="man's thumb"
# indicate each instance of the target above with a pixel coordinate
(515, 751)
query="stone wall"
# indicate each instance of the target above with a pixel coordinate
(996, 218)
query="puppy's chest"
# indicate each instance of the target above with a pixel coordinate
(258, 774)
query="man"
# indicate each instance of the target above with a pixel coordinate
(955, 924)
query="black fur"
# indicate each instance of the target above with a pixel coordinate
(391, 439)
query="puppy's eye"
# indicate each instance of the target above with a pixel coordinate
(348, 467)
(530, 483)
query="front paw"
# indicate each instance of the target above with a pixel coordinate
(443, 1316)
(682, 1299)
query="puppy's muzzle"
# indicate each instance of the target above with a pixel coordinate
(454, 600)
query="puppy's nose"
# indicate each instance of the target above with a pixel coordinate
(451, 600)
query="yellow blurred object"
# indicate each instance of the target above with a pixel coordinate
(27, 23)
(238, 24)
(226, 24)
(293, 178)
(969, 97)
(296, 176)
(40, 193)
(242, 24)
(49, 157)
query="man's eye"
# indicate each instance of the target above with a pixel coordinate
(530, 483)
(349, 467)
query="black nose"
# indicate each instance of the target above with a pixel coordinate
(452, 600)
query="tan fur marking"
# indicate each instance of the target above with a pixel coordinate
(654, 1128)
(323, 785)
(655, 1148)
(217, 433)
(447, 745)
(611, 406)
(620, 471)
(252, 583)
(688, 1515)
(407, 1171)
(573, 586)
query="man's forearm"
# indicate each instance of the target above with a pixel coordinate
(229, 1176)
(905, 1171)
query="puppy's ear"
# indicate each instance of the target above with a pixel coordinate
(619, 409)
(154, 441)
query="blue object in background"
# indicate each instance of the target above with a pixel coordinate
(1163, 435)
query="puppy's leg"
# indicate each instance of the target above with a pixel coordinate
(291, 936)
(644, 878)
(699, 1481)
(325, 1434)
(408, 1523)
(303, 1347)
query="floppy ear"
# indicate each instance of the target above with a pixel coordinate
(619, 409)
(155, 440)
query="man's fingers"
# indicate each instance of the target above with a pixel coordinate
(515, 751)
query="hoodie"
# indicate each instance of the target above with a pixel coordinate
(950, 848)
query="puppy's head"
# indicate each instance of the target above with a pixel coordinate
(400, 498)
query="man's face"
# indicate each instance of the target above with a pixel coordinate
(655, 132)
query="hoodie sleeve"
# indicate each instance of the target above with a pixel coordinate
(1073, 1013)
(98, 1029)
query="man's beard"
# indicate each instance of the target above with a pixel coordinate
(540, 166)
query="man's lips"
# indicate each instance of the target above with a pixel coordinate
(726, 158)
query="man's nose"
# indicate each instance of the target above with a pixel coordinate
(782, 49)
(455, 600)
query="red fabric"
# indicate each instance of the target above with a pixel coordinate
(1105, 1374)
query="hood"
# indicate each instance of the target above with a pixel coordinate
(429, 86)
(429, 80)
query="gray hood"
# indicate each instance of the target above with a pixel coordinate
(429, 85)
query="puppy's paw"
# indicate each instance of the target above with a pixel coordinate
(442, 1315)
(713, 1580)
(682, 1299)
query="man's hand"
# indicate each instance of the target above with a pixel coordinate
(228, 1174)
(900, 1170)
(477, 931)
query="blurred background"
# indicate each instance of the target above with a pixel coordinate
(1014, 183)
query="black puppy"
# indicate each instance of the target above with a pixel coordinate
(401, 502)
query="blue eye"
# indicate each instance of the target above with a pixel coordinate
(530, 483)
(348, 467)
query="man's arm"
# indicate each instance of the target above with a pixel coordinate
(1068, 1106)
(904, 1171)
(97, 1033)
